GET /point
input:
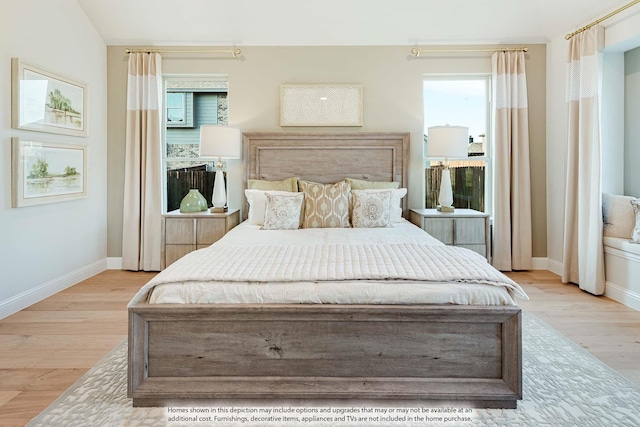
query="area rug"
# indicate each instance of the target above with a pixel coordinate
(563, 385)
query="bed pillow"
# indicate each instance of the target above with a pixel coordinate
(360, 184)
(289, 184)
(283, 211)
(396, 205)
(257, 204)
(635, 237)
(325, 205)
(617, 216)
(371, 208)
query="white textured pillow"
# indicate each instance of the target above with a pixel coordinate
(617, 216)
(371, 208)
(396, 204)
(257, 204)
(283, 211)
(635, 237)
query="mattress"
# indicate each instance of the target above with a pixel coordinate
(393, 265)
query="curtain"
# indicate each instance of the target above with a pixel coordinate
(512, 180)
(583, 258)
(141, 233)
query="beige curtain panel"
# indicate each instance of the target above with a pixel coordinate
(141, 235)
(583, 257)
(512, 179)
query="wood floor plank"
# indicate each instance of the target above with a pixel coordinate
(24, 406)
(6, 396)
(38, 379)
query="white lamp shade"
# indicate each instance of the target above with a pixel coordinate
(220, 142)
(448, 142)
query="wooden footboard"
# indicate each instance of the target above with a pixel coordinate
(467, 355)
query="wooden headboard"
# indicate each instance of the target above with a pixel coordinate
(326, 157)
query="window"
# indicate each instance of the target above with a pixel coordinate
(460, 101)
(190, 103)
(177, 113)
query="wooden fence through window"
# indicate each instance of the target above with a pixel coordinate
(467, 183)
(180, 181)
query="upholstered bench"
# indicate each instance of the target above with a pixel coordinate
(621, 239)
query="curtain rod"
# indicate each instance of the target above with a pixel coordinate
(597, 21)
(233, 52)
(416, 52)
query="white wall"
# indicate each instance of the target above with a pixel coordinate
(556, 149)
(620, 35)
(632, 124)
(612, 130)
(48, 247)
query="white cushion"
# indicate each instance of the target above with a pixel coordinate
(619, 243)
(283, 211)
(371, 208)
(617, 216)
(635, 236)
(396, 204)
(257, 204)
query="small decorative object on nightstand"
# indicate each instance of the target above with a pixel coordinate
(464, 227)
(185, 232)
(193, 202)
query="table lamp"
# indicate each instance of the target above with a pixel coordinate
(221, 142)
(448, 142)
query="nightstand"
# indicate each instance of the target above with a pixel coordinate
(186, 232)
(467, 228)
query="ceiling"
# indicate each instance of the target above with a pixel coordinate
(339, 22)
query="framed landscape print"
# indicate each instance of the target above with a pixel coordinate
(46, 102)
(47, 172)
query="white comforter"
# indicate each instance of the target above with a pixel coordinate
(399, 265)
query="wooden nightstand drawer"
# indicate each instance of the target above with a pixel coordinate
(186, 232)
(466, 228)
(179, 231)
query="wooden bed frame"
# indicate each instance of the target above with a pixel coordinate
(442, 354)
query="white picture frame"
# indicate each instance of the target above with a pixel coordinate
(321, 105)
(47, 172)
(47, 102)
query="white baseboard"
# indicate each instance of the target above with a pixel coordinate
(540, 263)
(622, 295)
(554, 266)
(34, 295)
(114, 263)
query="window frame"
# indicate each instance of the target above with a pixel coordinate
(488, 154)
(166, 78)
(188, 118)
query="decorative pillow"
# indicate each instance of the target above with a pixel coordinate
(371, 208)
(289, 184)
(257, 204)
(635, 237)
(325, 205)
(360, 184)
(617, 216)
(396, 204)
(283, 211)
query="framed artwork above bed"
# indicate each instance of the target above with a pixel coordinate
(321, 105)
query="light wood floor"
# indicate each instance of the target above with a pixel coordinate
(48, 346)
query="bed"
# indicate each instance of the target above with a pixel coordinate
(433, 346)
